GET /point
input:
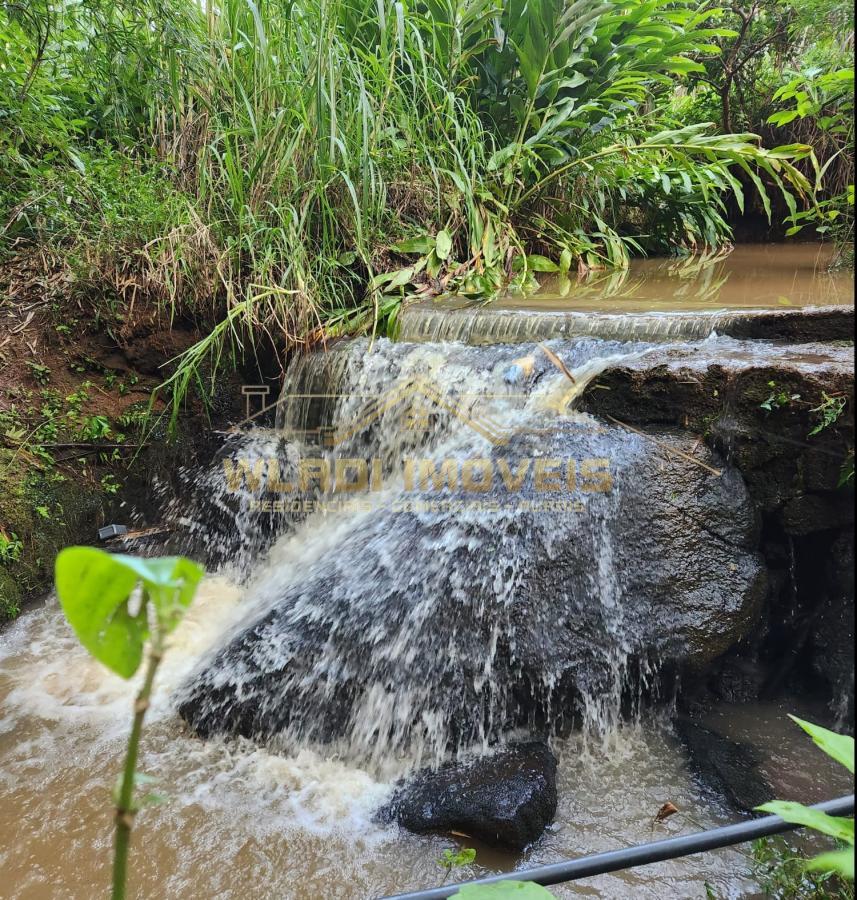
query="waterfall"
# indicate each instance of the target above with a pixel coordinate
(487, 325)
(472, 556)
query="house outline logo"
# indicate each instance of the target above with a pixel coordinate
(405, 392)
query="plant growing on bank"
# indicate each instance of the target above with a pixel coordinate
(455, 859)
(840, 862)
(264, 169)
(119, 605)
(10, 547)
(777, 399)
(827, 412)
(782, 874)
(821, 104)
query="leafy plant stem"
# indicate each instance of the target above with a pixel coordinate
(125, 808)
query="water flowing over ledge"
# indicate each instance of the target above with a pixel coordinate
(487, 325)
(443, 619)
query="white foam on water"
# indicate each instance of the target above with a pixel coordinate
(61, 708)
(297, 819)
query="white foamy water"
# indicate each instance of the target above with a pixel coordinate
(295, 818)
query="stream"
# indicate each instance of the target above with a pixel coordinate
(341, 645)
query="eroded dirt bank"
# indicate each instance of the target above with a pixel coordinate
(78, 447)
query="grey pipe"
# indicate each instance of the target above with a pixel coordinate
(642, 854)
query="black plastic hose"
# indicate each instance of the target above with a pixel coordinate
(642, 854)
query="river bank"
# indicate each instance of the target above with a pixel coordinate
(82, 433)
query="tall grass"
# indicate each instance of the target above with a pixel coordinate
(328, 158)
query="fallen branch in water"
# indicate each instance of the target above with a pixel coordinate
(557, 362)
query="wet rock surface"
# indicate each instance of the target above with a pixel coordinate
(832, 634)
(505, 799)
(783, 415)
(728, 768)
(798, 326)
(757, 403)
(440, 628)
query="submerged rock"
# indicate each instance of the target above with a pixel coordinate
(506, 799)
(727, 767)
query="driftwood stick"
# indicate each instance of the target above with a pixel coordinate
(665, 447)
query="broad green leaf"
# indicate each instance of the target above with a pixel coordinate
(395, 279)
(541, 263)
(95, 587)
(783, 117)
(94, 590)
(421, 244)
(171, 604)
(839, 861)
(839, 828)
(503, 890)
(443, 244)
(837, 746)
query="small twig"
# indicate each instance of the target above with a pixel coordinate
(665, 447)
(557, 362)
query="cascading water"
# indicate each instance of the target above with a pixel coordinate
(501, 567)
(511, 326)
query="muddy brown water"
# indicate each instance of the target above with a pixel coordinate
(653, 299)
(242, 822)
(752, 276)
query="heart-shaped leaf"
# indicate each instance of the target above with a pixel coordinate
(95, 589)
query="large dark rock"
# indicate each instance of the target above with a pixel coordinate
(725, 766)
(442, 627)
(722, 392)
(832, 636)
(506, 799)
(797, 326)
(759, 405)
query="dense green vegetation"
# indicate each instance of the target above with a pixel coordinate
(301, 167)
